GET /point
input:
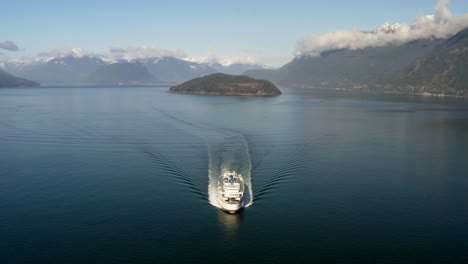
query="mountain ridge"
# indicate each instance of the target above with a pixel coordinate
(122, 74)
(386, 69)
(76, 69)
(345, 67)
(442, 72)
(9, 80)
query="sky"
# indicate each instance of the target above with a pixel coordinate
(267, 32)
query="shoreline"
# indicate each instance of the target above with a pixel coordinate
(425, 94)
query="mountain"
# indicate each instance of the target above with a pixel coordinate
(225, 84)
(236, 68)
(174, 70)
(8, 80)
(443, 71)
(345, 68)
(75, 69)
(122, 74)
(66, 70)
(425, 66)
(18, 67)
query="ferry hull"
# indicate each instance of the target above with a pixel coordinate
(231, 208)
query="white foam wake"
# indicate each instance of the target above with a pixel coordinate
(229, 152)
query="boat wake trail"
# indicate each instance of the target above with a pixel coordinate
(298, 160)
(229, 151)
(172, 169)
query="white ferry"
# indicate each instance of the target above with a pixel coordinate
(231, 192)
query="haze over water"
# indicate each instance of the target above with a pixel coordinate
(125, 175)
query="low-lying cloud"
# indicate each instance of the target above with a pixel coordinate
(8, 45)
(75, 52)
(440, 25)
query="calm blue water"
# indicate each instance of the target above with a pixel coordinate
(125, 175)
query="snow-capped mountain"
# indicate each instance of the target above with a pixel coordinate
(174, 70)
(237, 68)
(63, 70)
(76, 68)
(19, 66)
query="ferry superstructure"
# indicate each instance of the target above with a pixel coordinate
(231, 192)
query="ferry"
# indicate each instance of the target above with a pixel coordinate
(231, 192)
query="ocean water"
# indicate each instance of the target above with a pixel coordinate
(128, 175)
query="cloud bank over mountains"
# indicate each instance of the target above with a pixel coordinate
(128, 54)
(441, 24)
(114, 54)
(74, 52)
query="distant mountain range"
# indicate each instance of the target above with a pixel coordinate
(236, 68)
(122, 74)
(61, 70)
(89, 70)
(8, 80)
(434, 66)
(173, 70)
(424, 66)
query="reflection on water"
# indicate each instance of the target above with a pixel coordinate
(229, 223)
(337, 179)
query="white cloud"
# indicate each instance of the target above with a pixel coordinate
(440, 25)
(8, 45)
(442, 13)
(75, 52)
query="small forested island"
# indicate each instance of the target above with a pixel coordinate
(225, 84)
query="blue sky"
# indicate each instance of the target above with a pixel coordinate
(266, 30)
